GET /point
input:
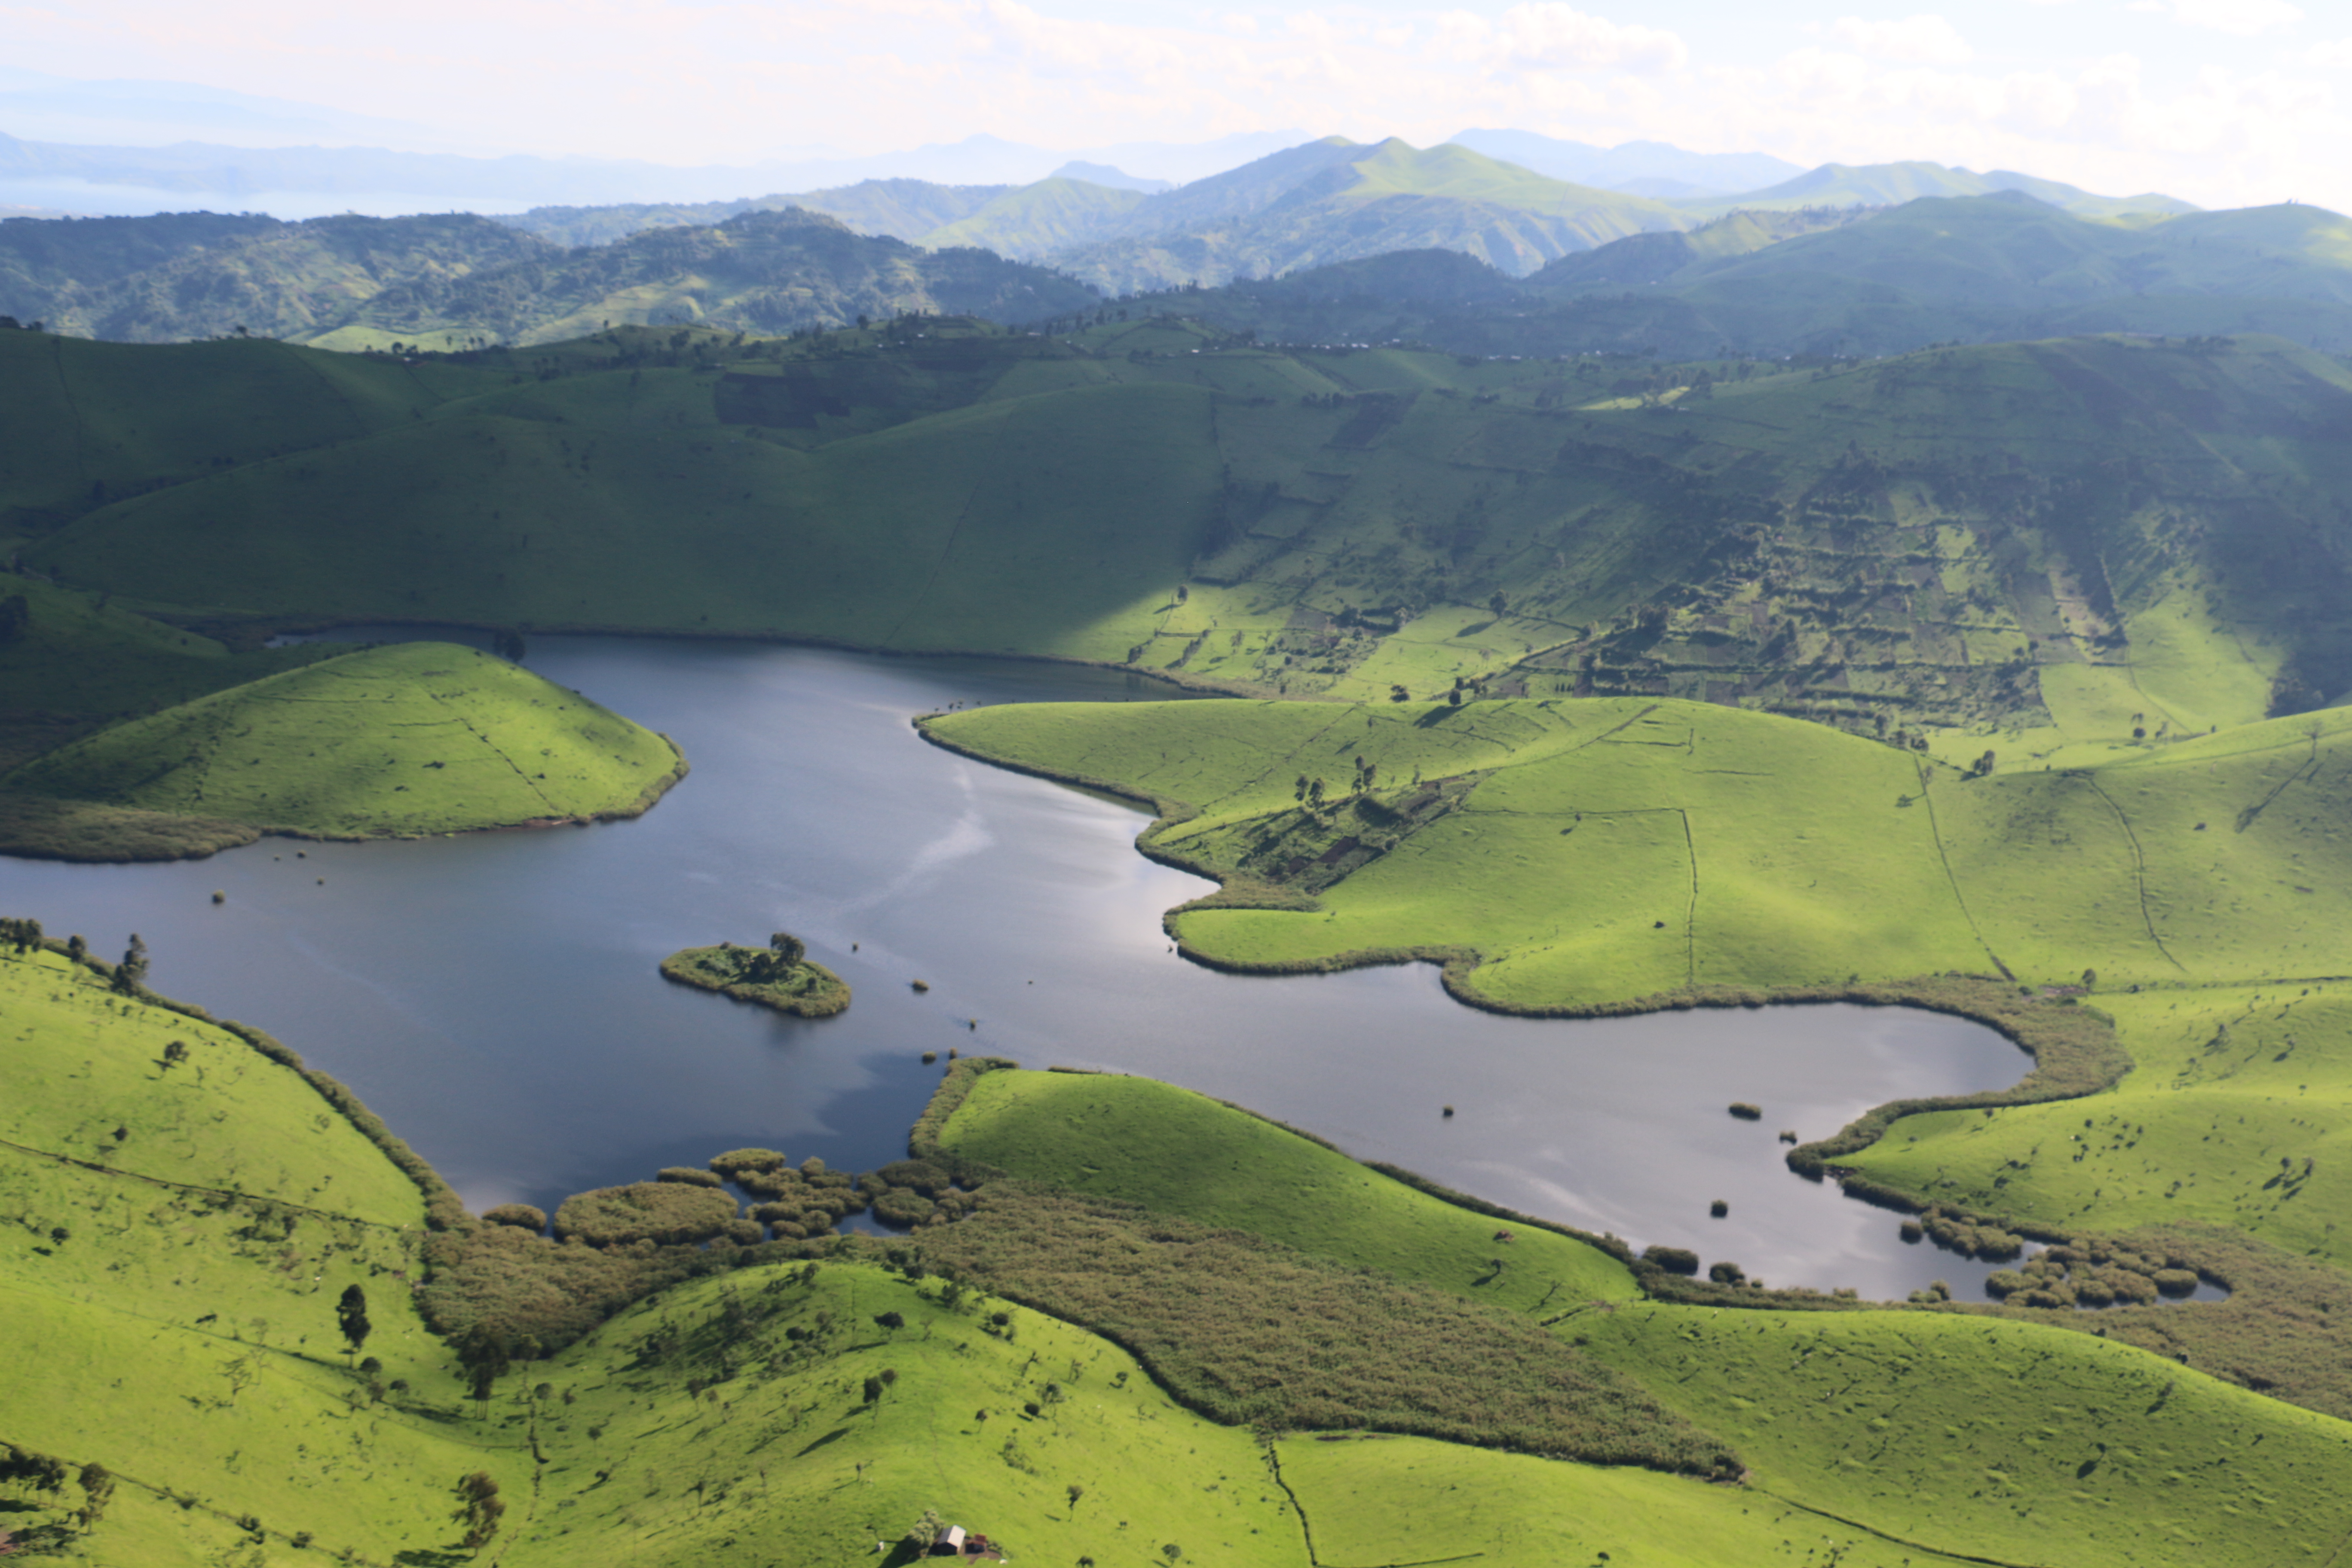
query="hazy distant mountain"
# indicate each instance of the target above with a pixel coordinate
(362, 281)
(311, 181)
(1647, 165)
(1336, 200)
(1104, 175)
(1838, 282)
(1883, 185)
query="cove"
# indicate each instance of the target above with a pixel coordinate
(495, 998)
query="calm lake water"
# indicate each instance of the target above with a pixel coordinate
(495, 997)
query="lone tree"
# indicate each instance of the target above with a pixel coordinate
(351, 1316)
(480, 1508)
(131, 974)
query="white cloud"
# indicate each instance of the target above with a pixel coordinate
(1551, 37)
(722, 80)
(2244, 17)
(1925, 40)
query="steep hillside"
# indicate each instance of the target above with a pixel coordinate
(1935, 545)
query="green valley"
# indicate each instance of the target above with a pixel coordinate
(2004, 674)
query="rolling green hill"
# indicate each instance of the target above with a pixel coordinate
(834, 1400)
(1935, 545)
(1707, 847)
(408, 739)
(1170, 1150)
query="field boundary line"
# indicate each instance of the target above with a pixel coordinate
(2139, 867)
(1889, 1536)
(1944, 859)
(189, 1187)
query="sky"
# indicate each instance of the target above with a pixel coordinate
(2223, 103)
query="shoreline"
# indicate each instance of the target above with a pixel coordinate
(2074, 1050)
(210, 836)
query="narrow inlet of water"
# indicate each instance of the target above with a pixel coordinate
(495, 996)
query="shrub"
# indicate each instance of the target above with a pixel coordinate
(732, 1164)
(658, 1212)
(901, 1207)
(522, 1216)
(921, 1175)
(1726, 1273)
(1672, 1259)
(688, 1175)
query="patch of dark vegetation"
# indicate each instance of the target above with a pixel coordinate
(662, 1213)
(779, 976)
(39, 829)
(1220, 1318)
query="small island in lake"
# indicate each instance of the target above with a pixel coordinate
(779, 976)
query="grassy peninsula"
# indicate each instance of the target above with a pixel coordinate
(781, 975)
(389, 741)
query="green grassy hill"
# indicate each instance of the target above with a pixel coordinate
(1930, 544)
(408, 739)
(2004, 1442)
(1034, 220)
(185, 1228)
(184, 1223)
(1591, 852)
(1167, 1149)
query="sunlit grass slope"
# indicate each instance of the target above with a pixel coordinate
(407, 739)
(1999, 1441)
(2240, 1113)
(1167, 1148)
(173, 1242)
(1407, 1500)
(1595, 851)
(699, 1430)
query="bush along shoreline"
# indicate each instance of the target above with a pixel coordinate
(780, 975)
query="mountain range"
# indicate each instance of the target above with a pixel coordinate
(1328, 200)
(1330, 240)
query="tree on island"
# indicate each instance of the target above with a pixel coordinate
(785, 953)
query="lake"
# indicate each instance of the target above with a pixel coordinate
(495, 996)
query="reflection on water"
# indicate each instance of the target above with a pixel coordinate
(495, 997)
